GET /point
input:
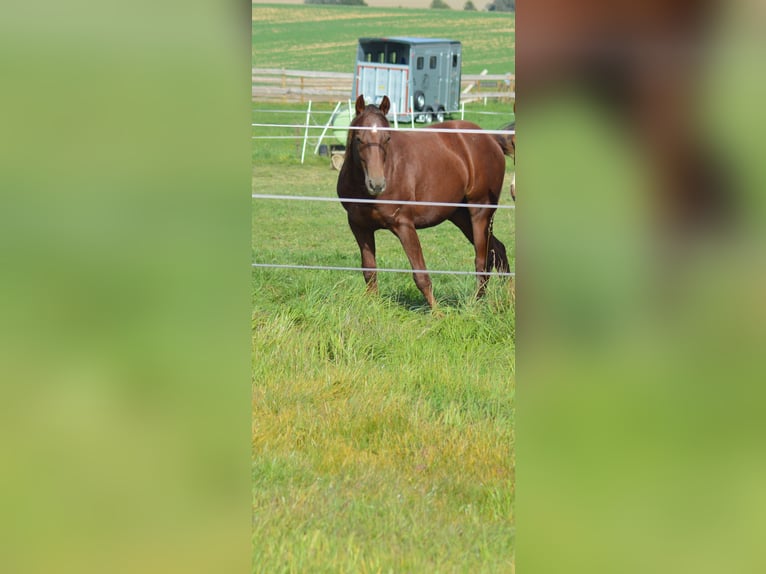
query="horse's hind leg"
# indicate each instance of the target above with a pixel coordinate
(494, 257)
(480, 223)
(498, 258)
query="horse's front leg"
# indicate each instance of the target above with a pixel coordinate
(409, 239)
(365, 238)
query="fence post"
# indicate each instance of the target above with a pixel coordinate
(396, 118)
(306, 135)
(324, 131)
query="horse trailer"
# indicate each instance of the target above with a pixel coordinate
(421, 76)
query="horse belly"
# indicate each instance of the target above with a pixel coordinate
(442, 178)
(430, 216)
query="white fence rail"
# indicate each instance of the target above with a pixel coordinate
(307, 127)
(284, 266)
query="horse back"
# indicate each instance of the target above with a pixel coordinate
(458, 165)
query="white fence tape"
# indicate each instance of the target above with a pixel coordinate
(379, 269)
(307, 127)
(379, 201)
(390, 129)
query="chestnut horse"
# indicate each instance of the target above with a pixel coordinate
(421, 166)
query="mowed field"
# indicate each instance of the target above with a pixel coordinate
(306, 37)
(383, 433)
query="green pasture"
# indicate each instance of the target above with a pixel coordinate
(323, 38)
(383, 433)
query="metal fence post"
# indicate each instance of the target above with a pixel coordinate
(306, 135)
(333, 115)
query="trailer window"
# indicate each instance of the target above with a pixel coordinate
(420, 62)
(432, 63)
(368, 56)
(454, 60)
(392, 58)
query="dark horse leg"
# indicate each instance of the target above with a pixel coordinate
(498, 258)
(496, 252)
(409, 238)
(366, 240)
(493, 251)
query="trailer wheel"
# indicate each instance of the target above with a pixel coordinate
(419, 100)
(429, 114)
(439, 117)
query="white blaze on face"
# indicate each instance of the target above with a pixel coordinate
(374, 129)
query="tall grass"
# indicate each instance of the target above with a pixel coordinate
(382, 436)
(382, 432)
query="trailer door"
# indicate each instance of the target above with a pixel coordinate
(444, 60)
(452, 101)
(378, 80)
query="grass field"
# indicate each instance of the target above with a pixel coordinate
(324, 38)
(383, 434)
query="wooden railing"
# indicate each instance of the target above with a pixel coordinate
(280, 85)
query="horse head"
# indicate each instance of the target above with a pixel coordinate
(369, 146)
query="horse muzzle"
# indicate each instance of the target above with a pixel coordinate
(375, 186)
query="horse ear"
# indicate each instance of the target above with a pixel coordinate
(360, 104)
(385, 104)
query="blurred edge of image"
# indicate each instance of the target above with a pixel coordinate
(125, 292)
(641, 284)
(125, 303)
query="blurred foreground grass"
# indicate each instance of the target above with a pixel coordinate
(640, 360)
(124, 299)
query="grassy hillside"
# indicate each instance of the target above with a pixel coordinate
(324, 38)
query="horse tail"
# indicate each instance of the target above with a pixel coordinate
(507, 142)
